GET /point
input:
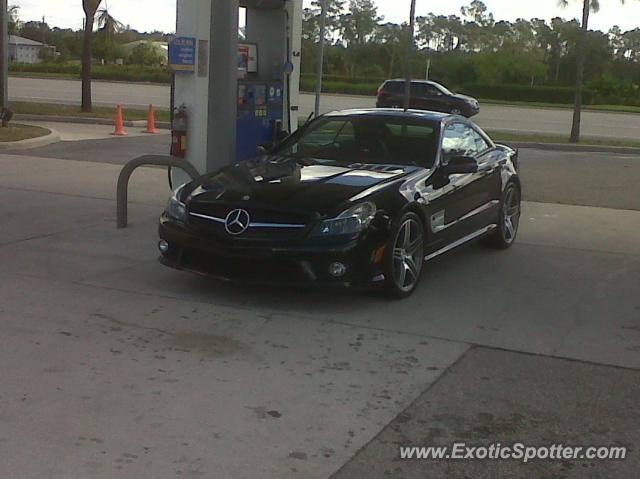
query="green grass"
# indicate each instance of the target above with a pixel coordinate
(44, 75)
(502, 136)
(29, 108)
(17, 132)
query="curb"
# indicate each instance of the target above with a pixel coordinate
(52, 137)
(163, 125)
(622, 150)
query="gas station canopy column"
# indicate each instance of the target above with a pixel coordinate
(237, 93)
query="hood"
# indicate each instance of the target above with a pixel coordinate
(285, 184)
(465, 98)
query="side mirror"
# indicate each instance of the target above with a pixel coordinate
(460, 165)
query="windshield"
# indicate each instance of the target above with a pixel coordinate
(377, 140)
(442, 88)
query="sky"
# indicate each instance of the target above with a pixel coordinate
(148, 15)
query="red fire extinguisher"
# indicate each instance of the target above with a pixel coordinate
(179, 132)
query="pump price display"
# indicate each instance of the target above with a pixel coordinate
(182, 54)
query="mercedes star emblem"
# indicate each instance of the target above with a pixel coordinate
(237, 222)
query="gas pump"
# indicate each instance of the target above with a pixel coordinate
(262, 71)
(260, 112)
(240, 88)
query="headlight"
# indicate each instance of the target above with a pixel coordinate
(176, 209)
(351, 221)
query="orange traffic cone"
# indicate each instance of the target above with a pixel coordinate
(119, 123)
(151, 122)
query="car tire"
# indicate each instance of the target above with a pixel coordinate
(456, 111)
(404, 256)
(506, 233)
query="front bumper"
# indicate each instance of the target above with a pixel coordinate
(268, 263)
(472, 110)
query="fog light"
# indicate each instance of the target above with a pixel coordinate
(163, 246)
(337, 269)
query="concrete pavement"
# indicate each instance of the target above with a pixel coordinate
(80, 132)
(518, 119)
(132, 384)
(135, 370)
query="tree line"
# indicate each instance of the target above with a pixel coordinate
(471, 48)
(108, 39)
(534, 59)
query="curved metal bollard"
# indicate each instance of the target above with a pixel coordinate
(146, 160)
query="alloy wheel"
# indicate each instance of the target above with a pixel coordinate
(510, 215)
(408, 251)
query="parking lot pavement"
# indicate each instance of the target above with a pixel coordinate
(140, 371)
(135, 384)
(116, 151)
(607, 180)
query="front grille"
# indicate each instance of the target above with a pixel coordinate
(266, 224)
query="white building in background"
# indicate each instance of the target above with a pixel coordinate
(161, 48)
(23, 50)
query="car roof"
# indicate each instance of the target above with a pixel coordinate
(413, 80)
(393, 112)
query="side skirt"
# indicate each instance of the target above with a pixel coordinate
(461, 241)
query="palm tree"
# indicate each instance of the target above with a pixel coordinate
(90, 8)
(108, 28)
(14, 21)
(410, 46)
(108, 24)
(587, 7)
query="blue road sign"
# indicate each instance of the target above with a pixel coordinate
(182, 54)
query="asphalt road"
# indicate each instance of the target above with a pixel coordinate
(517, 119)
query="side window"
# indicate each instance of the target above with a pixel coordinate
(433, 91)
(394, 87)
(459, 140)
(419, 89)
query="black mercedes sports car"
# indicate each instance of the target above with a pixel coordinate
(357, 197)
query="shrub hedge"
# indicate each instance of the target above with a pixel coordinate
(66, 68)
(347, 80)
(331, 86)
(131, 73)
